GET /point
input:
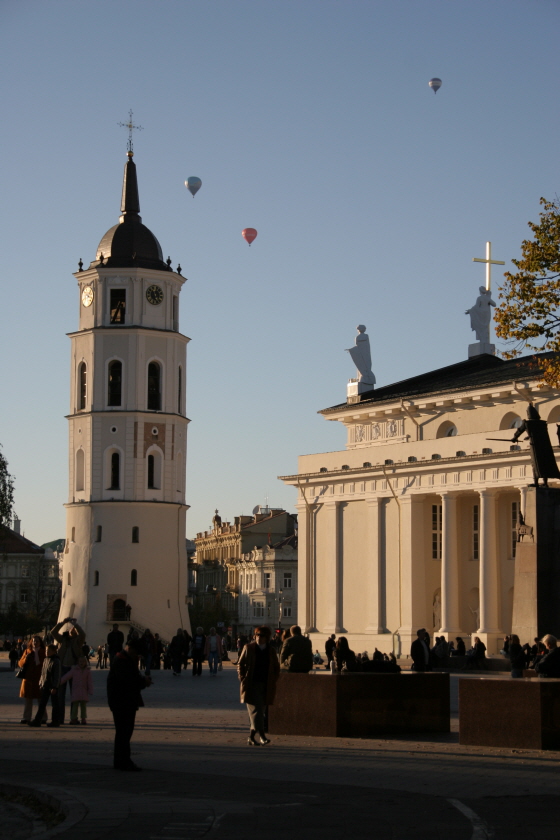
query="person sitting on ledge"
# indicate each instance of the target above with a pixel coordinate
(345, 658)
(297, 653)
(549, 664)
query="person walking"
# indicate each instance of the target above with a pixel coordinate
(420, 651)
(115, 642)
(13, 656)
(70, 644)
(124, 686)
(49, 684)
(177, 651)
(82, 689)
(514, 652)
(329, 650)
(31, 663)
(198, 648)
(258, 670)
(213, 651)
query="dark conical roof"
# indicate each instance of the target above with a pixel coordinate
(130, 243)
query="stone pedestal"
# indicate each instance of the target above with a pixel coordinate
(480, 347)
(516, 714)
(536, 593)
(360, 705)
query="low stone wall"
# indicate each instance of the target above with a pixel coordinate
(515, 714)
(360, 705)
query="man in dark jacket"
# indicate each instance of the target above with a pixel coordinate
(549, 664)
(330, 645)
(115, 640)
(124, 684)
(420, 652)
(297, 652)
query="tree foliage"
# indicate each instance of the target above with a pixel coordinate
(528, 314)
(6, 493)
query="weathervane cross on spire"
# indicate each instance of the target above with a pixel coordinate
(131, 127)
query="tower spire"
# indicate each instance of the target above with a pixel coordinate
(130, 203)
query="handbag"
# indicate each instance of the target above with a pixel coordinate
(20, 672)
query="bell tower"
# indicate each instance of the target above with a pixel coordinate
(125, 539)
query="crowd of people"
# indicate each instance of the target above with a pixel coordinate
(47, 666)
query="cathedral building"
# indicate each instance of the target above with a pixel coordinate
(414, 523)
(125, 551)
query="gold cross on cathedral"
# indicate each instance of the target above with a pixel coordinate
(131, 127)
(489, 263)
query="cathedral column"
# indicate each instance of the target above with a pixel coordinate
(334, 595)
(489, 560)
(412, 583)
(306, 560)
(374, 585)
(450, 624)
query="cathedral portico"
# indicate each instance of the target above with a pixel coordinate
(415, 523)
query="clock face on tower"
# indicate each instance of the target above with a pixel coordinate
(87, 296)
(154, 295)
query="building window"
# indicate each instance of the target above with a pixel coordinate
(115, 471)
(118, 306)
(154, 471)
(267, 580)
(476, 533)
(99, 533)
(136, 534)
(175, 313)
(69, 578)
(287, 580)
(80, 469)
(154, 387)
(114, 385)
(82, 386)
(25, 571)
(52, 571)
(287, 612)
(23, 596)
(179, 389)
(96, 578)
(258, 609)
(514, 524)
(436, 532)
(134, 578)
(73, 537)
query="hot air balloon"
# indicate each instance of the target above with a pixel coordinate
(193, 185)
(249, 235)
(435, 84)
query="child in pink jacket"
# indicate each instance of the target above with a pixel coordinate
(82, 688)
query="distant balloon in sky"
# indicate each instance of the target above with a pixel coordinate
(193, 185)
(435, 84)
(249, 235)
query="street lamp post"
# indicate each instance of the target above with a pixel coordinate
(280, 592)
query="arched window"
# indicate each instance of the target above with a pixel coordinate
(154, 470)
(136, 534)
(96, 578)
(511, 420)
(114, 389)
(179, 389)
(134, 578)
(69, 578)
(447, 429)
(80, 469)
(99, 533)
(73, 537)
(154, 387)
(175, 313)
(82, 386)
(115, 471)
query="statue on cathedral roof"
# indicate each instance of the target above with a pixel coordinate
(481, 314)
(361, 356)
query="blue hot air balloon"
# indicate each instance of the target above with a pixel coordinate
(193, 185)
(435, 84)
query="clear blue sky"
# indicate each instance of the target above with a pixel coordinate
(310, 120)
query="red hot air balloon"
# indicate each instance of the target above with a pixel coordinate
(249, 235)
